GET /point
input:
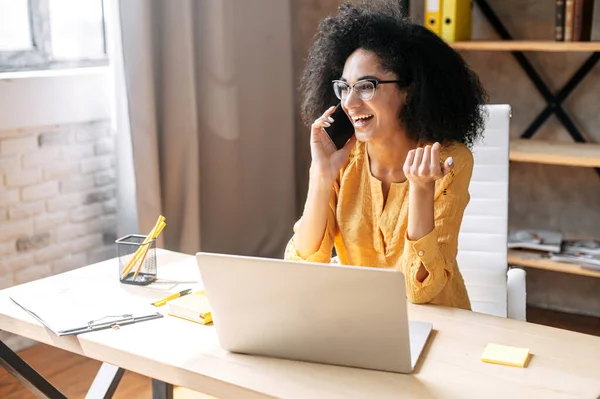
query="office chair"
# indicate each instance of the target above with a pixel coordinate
(482, 243)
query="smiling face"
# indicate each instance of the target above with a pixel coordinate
(377, 118)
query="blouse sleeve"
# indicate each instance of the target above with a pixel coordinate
(438, 249)
(323, 254)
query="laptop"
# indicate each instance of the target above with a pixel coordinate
(314, 312)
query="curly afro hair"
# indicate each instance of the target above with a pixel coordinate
(444, 94)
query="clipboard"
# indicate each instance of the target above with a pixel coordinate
(71, 312)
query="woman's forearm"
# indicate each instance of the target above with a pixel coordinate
(314, 219)
(420, 217)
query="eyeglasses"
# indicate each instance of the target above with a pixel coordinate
(364, 89)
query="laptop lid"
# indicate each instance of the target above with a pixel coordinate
(323, 313)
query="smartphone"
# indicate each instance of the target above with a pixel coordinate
(341, 129)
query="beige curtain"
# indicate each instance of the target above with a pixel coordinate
(210, 104)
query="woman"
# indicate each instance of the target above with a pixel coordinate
(394, 195)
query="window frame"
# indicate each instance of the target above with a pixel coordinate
(40, 56)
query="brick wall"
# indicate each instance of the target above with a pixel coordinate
(57, 201)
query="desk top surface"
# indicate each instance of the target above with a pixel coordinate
(564, 364)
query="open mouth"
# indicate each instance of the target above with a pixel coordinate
(361, 120)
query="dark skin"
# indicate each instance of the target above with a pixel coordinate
(393, 156)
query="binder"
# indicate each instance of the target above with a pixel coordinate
(433, 16)
(456, 20)
(405, 8)
(69, 312)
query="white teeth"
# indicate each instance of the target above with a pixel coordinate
(357, 118)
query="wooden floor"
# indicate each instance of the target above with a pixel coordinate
(73, 374)
(58, 366)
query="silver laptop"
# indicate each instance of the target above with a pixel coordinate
(322, 313)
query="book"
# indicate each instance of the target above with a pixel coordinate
(559, 22)
(569, 20)
(405, 8)
(193, 307)
(581, 247)
(580, 252)
(536, 239)
(582, 20)
(587, 261)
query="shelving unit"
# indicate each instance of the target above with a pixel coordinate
(526, 45)
(537, 261)
(579, 153)
(554, 153)
(517, 47)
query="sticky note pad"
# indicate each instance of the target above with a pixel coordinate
(505, 355)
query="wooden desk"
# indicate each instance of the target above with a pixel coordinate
(564, 364)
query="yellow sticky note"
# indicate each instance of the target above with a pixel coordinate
(505, 355)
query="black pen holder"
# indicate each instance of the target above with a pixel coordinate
(137, 260)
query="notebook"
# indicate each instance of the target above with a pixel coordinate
(193, 307)
(536, 239)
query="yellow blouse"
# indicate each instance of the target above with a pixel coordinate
(365, 233)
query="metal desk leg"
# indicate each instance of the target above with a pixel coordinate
(106, 382)
(104, 386)
(161, 390)
(27, 375)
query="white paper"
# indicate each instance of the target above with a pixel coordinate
(71, 307)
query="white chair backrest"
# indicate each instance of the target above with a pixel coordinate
(482, 243)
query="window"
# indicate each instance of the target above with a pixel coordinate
(50, 34)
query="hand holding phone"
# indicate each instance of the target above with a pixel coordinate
(341, 128)
(330, 146)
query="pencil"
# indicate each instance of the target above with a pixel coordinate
(163, 301)
(154, 236)
(140, 249)
(143, 248)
